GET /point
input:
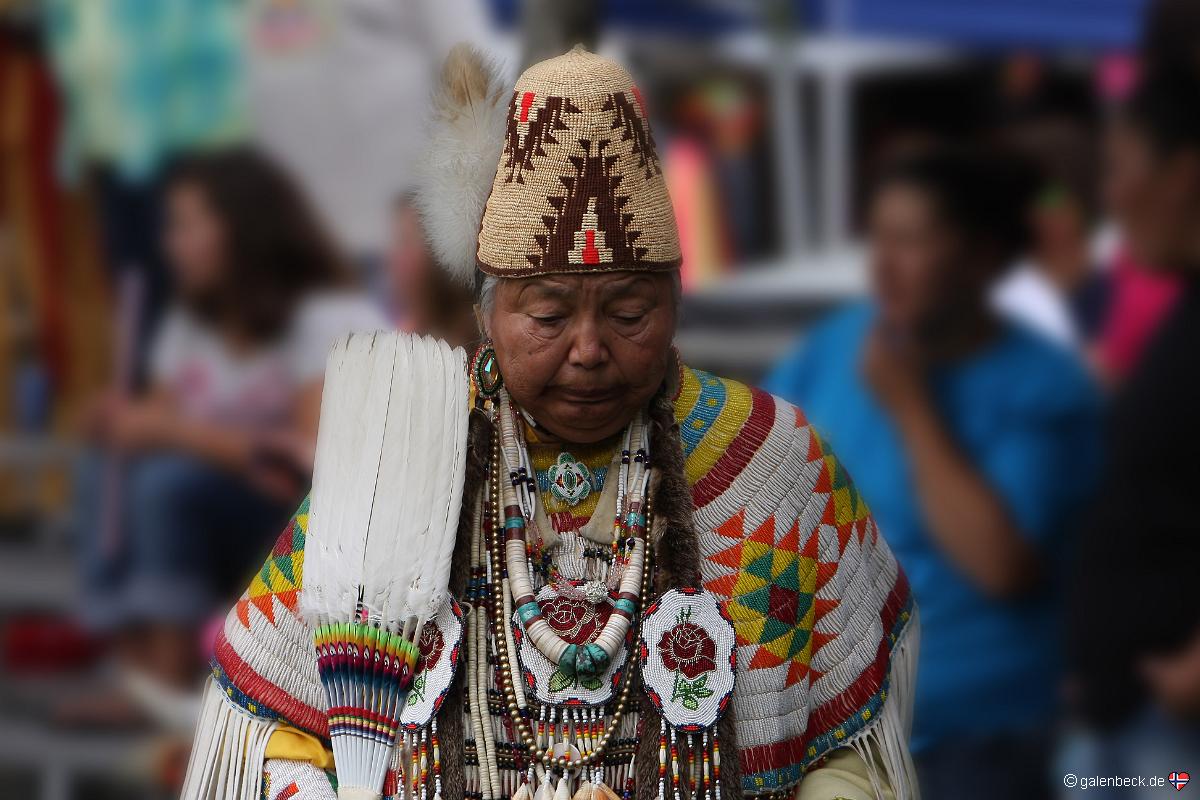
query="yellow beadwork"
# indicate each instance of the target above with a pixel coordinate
(597, 457)
(714, 410)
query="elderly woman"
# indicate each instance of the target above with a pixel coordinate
(777, 634)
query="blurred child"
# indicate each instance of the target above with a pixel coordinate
(1061, 290)
(974, 442)
(236, 365)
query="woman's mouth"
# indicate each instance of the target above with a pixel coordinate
(588, 397)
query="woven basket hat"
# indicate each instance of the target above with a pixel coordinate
(579, 187)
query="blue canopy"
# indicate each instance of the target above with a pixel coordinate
(1088, 24)
(674, 16)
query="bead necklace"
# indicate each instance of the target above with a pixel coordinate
(629, 546)
(526, 729)
(519, 713)
(588, 539)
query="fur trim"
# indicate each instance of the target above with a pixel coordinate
(450, 718)
(677, 549)
(677, 564)
(645, 760)
(479, 442)
(454, 177)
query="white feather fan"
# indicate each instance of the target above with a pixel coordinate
(387, 491)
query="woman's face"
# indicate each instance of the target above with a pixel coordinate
(1153, 197)
(916, 265)
(583, 353)
(194, 240)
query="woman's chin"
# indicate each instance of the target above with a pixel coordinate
(585, 423)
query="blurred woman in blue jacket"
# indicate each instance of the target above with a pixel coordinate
(975, 442)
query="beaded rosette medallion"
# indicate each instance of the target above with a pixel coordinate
(688, 658)
(439, 645)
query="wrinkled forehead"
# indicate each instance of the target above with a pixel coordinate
(576, 287)
(600, 285)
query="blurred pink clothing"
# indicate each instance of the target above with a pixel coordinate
(1141, 299)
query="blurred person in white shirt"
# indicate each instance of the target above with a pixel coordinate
(206, 466)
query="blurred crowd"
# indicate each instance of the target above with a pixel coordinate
(206, 201)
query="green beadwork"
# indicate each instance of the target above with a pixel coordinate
(570, 480)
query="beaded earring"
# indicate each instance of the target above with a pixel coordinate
(485, 371)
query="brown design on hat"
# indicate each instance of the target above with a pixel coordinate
(526, 136)
(579, 187)
(637, 130)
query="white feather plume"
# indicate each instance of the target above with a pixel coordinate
(358, 381)
(454, 177)
(387, 487)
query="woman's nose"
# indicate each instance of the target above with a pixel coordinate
(588, 350)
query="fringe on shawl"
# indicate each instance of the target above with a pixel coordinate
(883, 745)
(228, 753)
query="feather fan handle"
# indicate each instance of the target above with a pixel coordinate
(386, 498)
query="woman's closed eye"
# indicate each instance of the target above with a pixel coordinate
(546, 319)
(629, 316)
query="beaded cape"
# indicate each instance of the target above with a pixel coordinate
(822, 613)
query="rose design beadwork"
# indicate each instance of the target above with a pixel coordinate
(687, 648)
(439, 646)
(575, 620)
(688, 658)
(431, 645)
(578, 623)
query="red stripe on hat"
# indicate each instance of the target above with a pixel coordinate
(526, 104)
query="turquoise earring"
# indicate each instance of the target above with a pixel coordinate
(485, 371)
